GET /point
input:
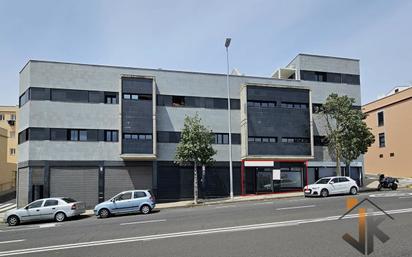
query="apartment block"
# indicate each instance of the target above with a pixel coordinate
(8, 147)
(91, 131)
(390, 119)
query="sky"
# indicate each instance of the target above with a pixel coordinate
(190, 35)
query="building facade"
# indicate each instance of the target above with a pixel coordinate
(90, 131)
(390, 119)
(8, 147)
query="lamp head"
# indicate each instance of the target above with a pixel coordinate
(227, 43)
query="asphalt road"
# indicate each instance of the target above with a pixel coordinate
(283, 227)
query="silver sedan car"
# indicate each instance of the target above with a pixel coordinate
(58, 209)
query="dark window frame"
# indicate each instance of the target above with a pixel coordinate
(381, 119)
(381, 140)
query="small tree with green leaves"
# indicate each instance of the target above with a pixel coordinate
(347, 134)
(195, 148)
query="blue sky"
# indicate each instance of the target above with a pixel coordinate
(189, 35)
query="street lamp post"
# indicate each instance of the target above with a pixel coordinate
(227, 43)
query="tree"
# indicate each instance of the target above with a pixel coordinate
(347, 134)
(195, 148)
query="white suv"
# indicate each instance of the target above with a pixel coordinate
(331, 186)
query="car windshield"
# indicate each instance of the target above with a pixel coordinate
(69, 200)
(323, 181)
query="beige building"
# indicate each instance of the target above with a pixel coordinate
(390, 119)
(8, 147)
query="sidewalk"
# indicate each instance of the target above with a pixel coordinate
(206, 202)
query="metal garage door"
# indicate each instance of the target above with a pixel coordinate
(23, 187)
(120, 179)
(78, 183)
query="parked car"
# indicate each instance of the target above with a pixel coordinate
(332, 185)
(132, 201)
(57, 208)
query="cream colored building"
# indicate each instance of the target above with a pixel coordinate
(390, 119)
(8, 147)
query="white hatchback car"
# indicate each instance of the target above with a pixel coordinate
(331, 186)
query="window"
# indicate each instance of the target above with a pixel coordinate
(12, 151)
(343, 180)
(380, 119)
(111, 135)
(51, 203)
(221, 138)
(24, 98)
(145, 97)
(125, 196)
(141, 97)
(74, 135)
(263, 139)
(320, 76)
(77, 135)
(178, 101)
(168, 137)
(317, 108)
(110, 99)
(82, 135)
(320, 141)
(335, 180)
(294, 105)
(392, 154)
(381, 139)
(35, 204)
(381, 156)
(140, 137)
(1, 116)
(12, 134)
(69, 200)
(13, 117)
(261, 104)
(295, 140)
(139, 194)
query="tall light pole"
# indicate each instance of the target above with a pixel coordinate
(227, 44)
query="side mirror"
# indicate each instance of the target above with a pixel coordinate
(113, 200)
(331, 182)
(27, 207)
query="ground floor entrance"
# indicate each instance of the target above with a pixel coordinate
(273, 176)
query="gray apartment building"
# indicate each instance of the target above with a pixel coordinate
(91, 131)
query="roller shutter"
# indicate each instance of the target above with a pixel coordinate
(120, 179)
(78, 183)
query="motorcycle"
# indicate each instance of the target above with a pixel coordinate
(387, 182)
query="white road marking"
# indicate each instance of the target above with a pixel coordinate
(141, 222)
(390, 194)
(47, 225)
(405, 197)
(295, 207)
(12, 241)
(192, 233)
(42, 226)
(5, 205)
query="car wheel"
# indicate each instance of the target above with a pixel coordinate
(353, 191)
(60, 217)
(13, 220)
(145, 209)
(324, 193)
(104, 213)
